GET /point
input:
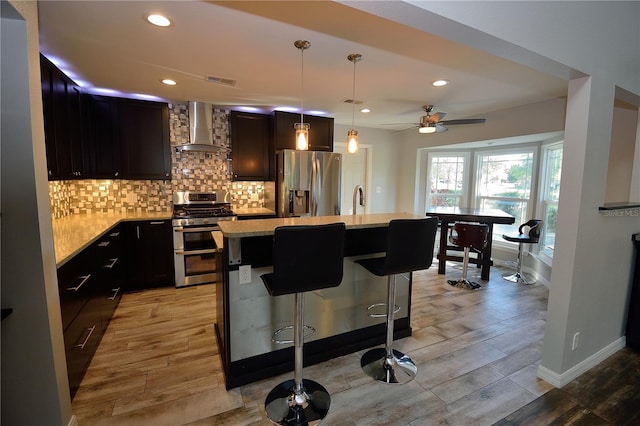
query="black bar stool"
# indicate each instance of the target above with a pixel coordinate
(410, 245)
(305, 258)
(531, 237)
(468, 236)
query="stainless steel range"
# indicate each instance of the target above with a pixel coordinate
(195, 218)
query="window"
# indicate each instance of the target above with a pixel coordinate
(549, 195)
(504, 182)
(447, 179)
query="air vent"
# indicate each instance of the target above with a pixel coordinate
(220, 80)
(352, 101)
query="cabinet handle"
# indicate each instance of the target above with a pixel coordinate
(138, 231)
(117, 174)
(114, 234)
(104, 244)
(112, 264)
(84, 280)
(90, 330)
(157, 223)
(115, 293)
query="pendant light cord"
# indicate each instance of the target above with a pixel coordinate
(353, 103)
(302, 86)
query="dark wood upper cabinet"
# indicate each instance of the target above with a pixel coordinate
(320, 131)
(67, 156)
(251, 146)
(102, 134)
(144, 139)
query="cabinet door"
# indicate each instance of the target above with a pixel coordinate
(46, 69)
(77, 147)
(144, 138)
(320, 131)
(102, 131)
(250, 146)
(150, 255)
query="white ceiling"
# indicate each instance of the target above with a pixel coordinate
(109, 45)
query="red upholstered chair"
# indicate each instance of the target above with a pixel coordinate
(528, 233)
(468, 236)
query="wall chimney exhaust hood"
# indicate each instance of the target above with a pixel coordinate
(201, 129)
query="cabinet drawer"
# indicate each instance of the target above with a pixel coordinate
(75, 292)
(81, 340)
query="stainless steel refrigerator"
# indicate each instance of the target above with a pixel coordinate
(308, 183)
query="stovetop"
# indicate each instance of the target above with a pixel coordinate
(200, 208)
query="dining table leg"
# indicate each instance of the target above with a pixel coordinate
(442, 257)
(486, 254)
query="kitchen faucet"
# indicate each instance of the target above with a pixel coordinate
(357, 191)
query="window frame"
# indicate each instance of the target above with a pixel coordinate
(466, 174)
(476, 198)
(543, 202)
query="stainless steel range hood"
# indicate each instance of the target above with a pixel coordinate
(201, 129)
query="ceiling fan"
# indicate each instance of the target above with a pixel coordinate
(432, 123)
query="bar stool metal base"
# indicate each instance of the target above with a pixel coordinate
(309, 408)
(398, 368)
(519, 278)
(464, 284)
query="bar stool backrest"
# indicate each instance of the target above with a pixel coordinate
(535, 226)
(410, 244)
(473, 235)
(306, 258)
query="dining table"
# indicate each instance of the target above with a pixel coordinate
(448, 215)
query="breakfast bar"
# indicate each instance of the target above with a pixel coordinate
(247, 316)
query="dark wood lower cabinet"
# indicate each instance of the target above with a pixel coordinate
(90, 289)
(149, 254)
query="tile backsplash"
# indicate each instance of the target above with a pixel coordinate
(190, 171)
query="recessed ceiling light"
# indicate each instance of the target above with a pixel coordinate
(439, 83)
(169, 82)
(365, 110)
(159, 20)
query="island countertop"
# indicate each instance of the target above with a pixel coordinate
(260, 227)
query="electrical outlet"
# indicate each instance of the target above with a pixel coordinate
(574, 345)
(245, 274)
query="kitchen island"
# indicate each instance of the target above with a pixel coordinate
(247, 317)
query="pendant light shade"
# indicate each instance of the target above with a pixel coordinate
(352, 135)
(302, 128)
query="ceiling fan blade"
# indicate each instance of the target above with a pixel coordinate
(464, 121)
(397, 124)
(440, 128)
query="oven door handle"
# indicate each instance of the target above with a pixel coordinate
(190, 252)
(203, 229)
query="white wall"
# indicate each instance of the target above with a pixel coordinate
(34, 375)
(384, 164)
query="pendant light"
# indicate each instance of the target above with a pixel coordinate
(302, 128)
(352, 135)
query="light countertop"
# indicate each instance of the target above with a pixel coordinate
(258, 227)
(72, 234)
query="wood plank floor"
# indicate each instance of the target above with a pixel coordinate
(477, 354)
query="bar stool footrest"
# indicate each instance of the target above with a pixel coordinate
(311, 332)
(383, 315)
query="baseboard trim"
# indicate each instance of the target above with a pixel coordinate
(561, 379)
(73, 421)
